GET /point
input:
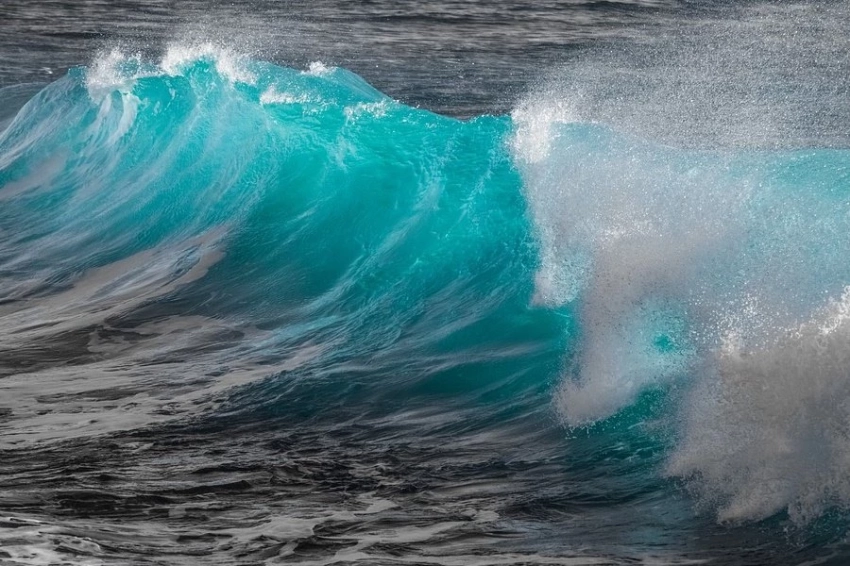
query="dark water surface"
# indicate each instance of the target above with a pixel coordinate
(462, 58)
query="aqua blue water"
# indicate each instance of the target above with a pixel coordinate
(259, 313)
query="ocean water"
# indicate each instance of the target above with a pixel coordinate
(452, 283)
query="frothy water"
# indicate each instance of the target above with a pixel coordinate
(715, 272)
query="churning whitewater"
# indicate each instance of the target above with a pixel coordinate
(208, 244)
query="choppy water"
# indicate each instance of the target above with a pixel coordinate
(265, 298)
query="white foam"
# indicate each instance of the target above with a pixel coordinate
(769, 431)
(108, 73)
(535, 126)
(765, 427)
(373, 109)
(118, 71)
(228, 63)
(318, 69)
(620, 222)
(621, 219)
(272, 96)
(36, 543)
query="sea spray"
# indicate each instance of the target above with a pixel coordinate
(738, 253)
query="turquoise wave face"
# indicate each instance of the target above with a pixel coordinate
(302, 203)
(689, 304)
